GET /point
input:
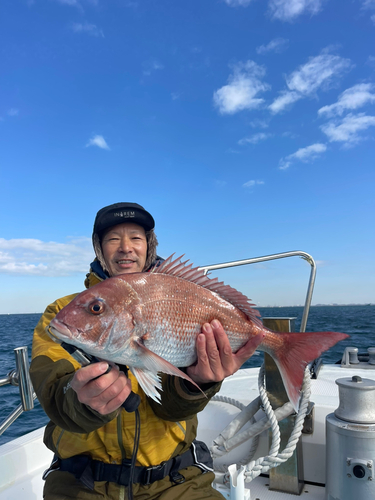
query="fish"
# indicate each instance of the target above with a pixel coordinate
(150, 321)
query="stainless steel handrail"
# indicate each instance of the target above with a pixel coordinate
(25, 385)
(255, 260)
(19, 377)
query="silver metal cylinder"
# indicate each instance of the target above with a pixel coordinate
(25, 385)
(357, 400)
(350, 442)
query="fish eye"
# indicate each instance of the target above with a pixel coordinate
(96, 307)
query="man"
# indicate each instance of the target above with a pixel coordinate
(91, 435)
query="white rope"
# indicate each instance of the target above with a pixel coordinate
(274, 458)
(230, 401)
(263, 465)
(254, 442)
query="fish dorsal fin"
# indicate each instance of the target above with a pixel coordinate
(174, 267)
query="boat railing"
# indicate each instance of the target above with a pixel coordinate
(19, 377)
(283, 255)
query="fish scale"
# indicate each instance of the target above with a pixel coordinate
(150, 322)
(188, 307)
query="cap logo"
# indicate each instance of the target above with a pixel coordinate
(124, 214)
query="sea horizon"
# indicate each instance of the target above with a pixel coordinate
(333, 304)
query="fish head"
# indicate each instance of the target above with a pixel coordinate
(100, 320)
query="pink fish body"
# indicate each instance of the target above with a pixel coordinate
(150, 321)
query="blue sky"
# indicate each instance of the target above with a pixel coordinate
(246, 127)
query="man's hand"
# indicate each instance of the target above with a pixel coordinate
(103, 392)
(215, 358)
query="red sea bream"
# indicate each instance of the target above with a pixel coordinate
(150, 321)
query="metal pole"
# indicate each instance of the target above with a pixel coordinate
(19, 377)
(12, 417)
(255, 260)
(25, 385)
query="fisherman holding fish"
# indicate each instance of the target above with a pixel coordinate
(90, 433)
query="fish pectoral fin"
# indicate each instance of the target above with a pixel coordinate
(149, 382)
(155, 364)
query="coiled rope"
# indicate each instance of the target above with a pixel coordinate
(254, 442)
(274, 458)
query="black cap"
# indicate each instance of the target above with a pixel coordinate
(119, 213)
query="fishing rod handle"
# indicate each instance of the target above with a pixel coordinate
(131, 403)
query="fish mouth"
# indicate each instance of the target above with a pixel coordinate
(59, 331)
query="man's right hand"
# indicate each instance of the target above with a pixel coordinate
(101, 391)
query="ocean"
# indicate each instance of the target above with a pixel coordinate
(16, 330)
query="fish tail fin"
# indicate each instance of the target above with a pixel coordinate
(295, 352)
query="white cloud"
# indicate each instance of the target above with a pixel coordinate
(252, 183)
(254, 139)
(318, 72)
(13, 112)
(38, 258)
(98, 140)
(305, 155)
(89, 29)
(150, 66)
(348, 129)
(236, 3)
(289, 10)
(351, 98)
(276, 45)
(283, 101)
(242, 90)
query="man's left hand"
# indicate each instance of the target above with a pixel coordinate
(215, 358)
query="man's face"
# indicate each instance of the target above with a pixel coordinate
(124, 248)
